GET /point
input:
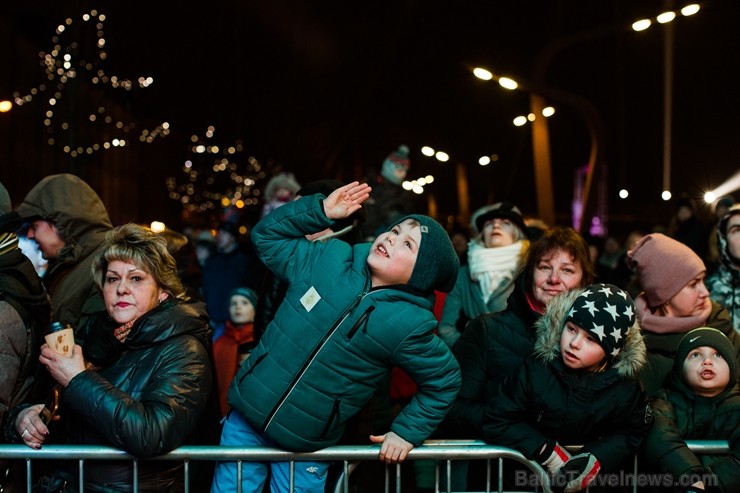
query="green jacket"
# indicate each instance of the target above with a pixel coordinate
(333, 340)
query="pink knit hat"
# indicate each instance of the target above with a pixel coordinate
(664, 266)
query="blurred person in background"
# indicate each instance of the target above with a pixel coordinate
(68, 222)
(495, 258)
(724, 284)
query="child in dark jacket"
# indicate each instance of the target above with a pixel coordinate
(579, 387)
(349, 315)
(700, 401)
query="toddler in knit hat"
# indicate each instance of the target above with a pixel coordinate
(700, 401)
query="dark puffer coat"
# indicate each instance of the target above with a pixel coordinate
(334, 339)
(146, 399)
(491, 348)
(604, 411)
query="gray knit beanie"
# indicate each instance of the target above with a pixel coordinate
(5, 205)
(437, 263)
(664, 266)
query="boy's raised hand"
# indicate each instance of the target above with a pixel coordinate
(344, 201)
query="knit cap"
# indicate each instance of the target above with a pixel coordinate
(437, 263)
(395, 165)
(607, 313)
(664, 266)
(248, 293)
(5, 205)
(501, 210)
(705, 336)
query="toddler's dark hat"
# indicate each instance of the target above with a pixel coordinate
(248, 293)
(437, 263)
(607, 313)
(706, 336)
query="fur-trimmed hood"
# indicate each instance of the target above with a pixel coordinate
(549, 327)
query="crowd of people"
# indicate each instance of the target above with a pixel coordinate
(347, 316)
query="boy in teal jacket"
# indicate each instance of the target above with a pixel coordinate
(350, 314)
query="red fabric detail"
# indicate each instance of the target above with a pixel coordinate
(225, 357)
(403, 387)
(439, 304)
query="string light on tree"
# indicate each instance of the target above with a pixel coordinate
(67, 65)
(213, 178)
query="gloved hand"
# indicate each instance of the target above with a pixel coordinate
(556, 459)
(580, 471)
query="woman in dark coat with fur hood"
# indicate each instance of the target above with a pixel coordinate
(579, 387)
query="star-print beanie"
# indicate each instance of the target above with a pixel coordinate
(607, 313)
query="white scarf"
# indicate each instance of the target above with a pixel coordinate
(492, 267)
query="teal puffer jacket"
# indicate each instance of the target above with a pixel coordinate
(333, 339)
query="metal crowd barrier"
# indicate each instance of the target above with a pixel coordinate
(441, 451)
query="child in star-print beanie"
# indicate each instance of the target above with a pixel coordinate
(607, 313)
(579, 387)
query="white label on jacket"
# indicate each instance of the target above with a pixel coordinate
(310, 299)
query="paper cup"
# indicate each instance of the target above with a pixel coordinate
(61, 338)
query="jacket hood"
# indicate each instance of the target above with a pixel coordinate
(730, 263)
(627, 363)
(70, 203)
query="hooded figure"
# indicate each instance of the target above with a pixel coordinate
(724, 284)
(81, 222)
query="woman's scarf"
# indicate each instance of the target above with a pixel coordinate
(660, 324)
(491, 268)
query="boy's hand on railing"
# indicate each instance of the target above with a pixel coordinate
(394, 449)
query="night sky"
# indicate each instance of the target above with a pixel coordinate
(329, 88)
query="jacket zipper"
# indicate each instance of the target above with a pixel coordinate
(363, 319)
(309, 360)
